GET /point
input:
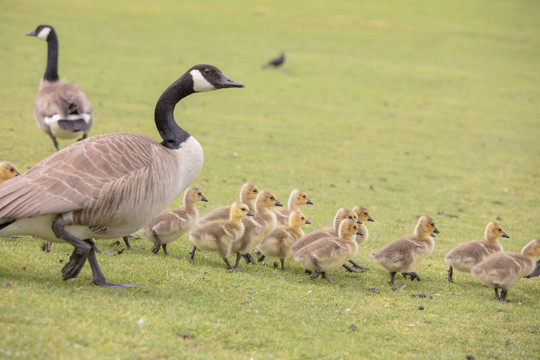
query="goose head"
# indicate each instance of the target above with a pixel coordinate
(362, 213)
(42, 32)
(266, 199)
(208, 77)
(239, 210)
(344, 214)
(348, 228)
(494, 230)
(425, 227)
(301, 198)
(7, 171)
(194, 194)
(297, 219)
(249, 191)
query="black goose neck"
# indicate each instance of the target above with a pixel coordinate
(172, 134)
(51, 72)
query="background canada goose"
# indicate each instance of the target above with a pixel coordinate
(109, 185)
(256, 227)
(403, 254)
(220, 235)
(278, 242)
(329, 253)
(169, 225)
(503, 269)
(276, 62)
(61, 110)
(248, 192)
(8, 170)
(296, 198)
(466, 255)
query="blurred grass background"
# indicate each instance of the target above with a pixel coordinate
(408, 108)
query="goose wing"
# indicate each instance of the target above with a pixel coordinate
(82, 174)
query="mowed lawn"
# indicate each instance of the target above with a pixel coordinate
(409, 108)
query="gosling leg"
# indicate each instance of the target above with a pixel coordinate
(392, 275)
(504, 292)
(497, 294)
(323, 275)
(318, 269)
(282, 264)
(157, 245)
(450, 273)
(413, 275)
(350, 269)
(192, 254)
(356, 266)
(238, 257)
(164, 246)
(227, 263)
(46, 246)
(261, 258)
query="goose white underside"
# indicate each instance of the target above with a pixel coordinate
(57, 131)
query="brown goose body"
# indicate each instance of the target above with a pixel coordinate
(248, 192)
(468, 254)
(296, 198)
(503, 269)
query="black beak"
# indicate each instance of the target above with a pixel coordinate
(370, 219)
(309, 202)
(278, 203)
(359, 232)
(228, 83)
(504, 235)
(249, 213)
(31, 33)
(17, 174)
(359, 222)
(308, 222)
(436, 231)
(204, 199)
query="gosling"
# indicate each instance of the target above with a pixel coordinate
(466, 255)
(503, 269)
(170, 225)
(297, 197)
(278, 242)
(219, 235)
(8, 170)
(257, 227)
(363, 216)
(248, 192)
(329, 253)
(404, 253)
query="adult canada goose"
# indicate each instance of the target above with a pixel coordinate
(169, 225)
(363, 216)
(220, 235)
(297, 197)
(278, 242)
(276, 62)
(466, 255)
(403, 254)
(109, 185)
(329, 253)
(8, 170)
(248, 192)
(503, 269)
(256, 227)
(61, 110)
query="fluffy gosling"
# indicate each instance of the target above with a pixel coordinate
(219, 235)
(329, 253)
(279, 241)
(503, 269)
(297, 197)
(8, 170)
(404, 253)
(466, 255)
(169, 225)
(363, 216)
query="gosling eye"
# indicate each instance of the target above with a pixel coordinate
(365, 213)
(199, 194)
(243, 209)
(254, 190)
(350, 217)
(499, 230)
(302, 218)
(304, 196)
(432, 224)
(271, 198)
(12, 169)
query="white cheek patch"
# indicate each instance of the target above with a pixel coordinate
(44, 33)
(200, 84)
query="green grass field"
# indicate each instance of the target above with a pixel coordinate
(408, 108)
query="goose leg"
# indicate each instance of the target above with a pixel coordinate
(323, 274)
(497, 294)
(126, 241)
(282, 264)
(192, 254)
(307, 271)
(249, 258)
(261, 258)
(97, 276)
(413, 275)
(46, 246)
(157, 245)
(238, 257)
(79, 254)
(165, 249)
(356, 266)
(504, 292)
(318, 269)
(350, 269)
(392, 275)
(228, 264)
(450, 273)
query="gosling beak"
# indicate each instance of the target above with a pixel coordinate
(505, 235)
(31, 33)
(370, 219)
(359, 232)
(278, 203)
(309, 202)
(359, 222)
(249, 213)
(17, 173)
(436, 231)
(204, 199)
(225, 82)
(308, 222)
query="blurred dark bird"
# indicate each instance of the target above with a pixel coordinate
(276, 62)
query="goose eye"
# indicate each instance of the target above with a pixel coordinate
(350, 217)
(243, 209)
(365, 213)
(432, 224)
(271, 198)
(302, 218)
(254, 190)
(11, 169)
(207, 70)
(304, 196)
(499, 230)
(199, 194)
